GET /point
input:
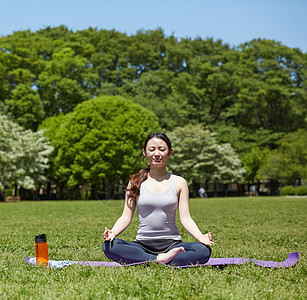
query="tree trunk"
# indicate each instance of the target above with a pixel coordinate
(238, 189)
(60, 189)
(207, 186)
(86, 192)
(195, 187)
(225, 189)
(48, 191)
(258, 187)
(215, 189)
(94, 191)
(107, 190)
(241, 189)
(273, 187)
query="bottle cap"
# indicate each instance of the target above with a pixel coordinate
(41, 238)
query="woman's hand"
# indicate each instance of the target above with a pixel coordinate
(206, 239)
(108, 235)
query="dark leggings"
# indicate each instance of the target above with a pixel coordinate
(128, 252)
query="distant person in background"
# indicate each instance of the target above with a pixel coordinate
(35, 194)
(157, 193)
(201, 192)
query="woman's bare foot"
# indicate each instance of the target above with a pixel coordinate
(168, 256)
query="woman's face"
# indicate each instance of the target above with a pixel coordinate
(157, 152)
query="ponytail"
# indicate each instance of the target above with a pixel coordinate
(135, 182)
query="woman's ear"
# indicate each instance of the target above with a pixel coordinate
(144, 152)
(170, 153)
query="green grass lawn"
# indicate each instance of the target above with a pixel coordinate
(259, 228)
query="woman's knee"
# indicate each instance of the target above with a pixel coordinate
(111, 249)
(197, 248)
(204, 249)
(201, 249)
(107, 246)
(110, 246)
(195, 253)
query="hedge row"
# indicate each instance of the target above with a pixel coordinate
(291, 190)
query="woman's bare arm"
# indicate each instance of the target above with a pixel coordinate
(122, 223)
(184, 213)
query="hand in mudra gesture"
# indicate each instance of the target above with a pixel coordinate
(108, 235)
(207, 239)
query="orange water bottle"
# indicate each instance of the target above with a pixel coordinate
(41, 250)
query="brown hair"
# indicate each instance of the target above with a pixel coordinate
(136, 180)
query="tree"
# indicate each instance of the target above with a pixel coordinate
(287, 163)
(26, 107)
(252, 146)
(269, 78)
(61, 84)
(261, 83)
(252, 161)
(23, 155)
(146, 50)
(198, 156)
(100, 141)
(151, 91)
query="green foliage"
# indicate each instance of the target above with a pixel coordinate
(291, 190)
(252, 161)
(260, 84)
(23, 155)
(63, 81)
(243, 139)
(26, 106)
(100, 141)
(265, 228)
(288, 190)
(251, 96)
(198, 156)
(268, 91)
(301, 190)
(151, 91)
(288, 162)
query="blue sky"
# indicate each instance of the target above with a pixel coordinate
(233, 21)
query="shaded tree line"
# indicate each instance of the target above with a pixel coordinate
(251, 97)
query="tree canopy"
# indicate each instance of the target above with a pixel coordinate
(198, 156)
(251, 95)
(259, 84)
(287, 163)
(100, 141)
(23, 155)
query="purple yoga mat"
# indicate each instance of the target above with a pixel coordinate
(289, 262)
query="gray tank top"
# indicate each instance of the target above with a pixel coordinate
(157, 213)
